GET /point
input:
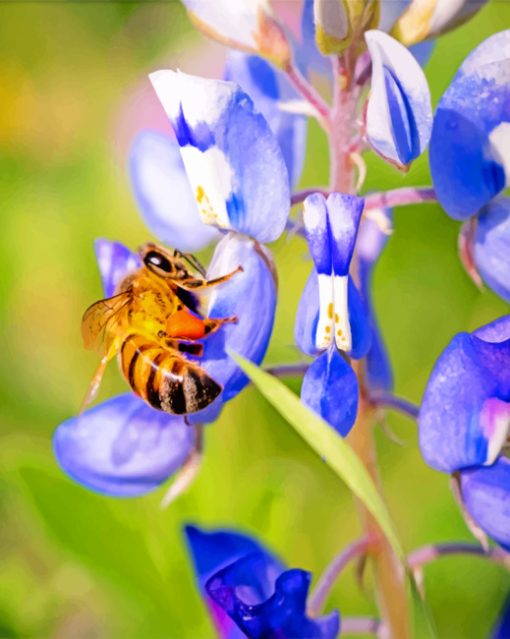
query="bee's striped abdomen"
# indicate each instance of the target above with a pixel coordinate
(165, 380)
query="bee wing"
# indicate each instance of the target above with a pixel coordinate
(102, 322)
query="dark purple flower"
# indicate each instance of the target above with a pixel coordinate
(250, 593)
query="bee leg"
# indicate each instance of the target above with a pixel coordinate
(211, 325)
(192, 261)
(194, 284)
(188, 471)
(95, 383)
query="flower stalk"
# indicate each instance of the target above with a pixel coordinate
(389, 573)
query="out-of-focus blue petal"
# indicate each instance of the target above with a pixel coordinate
(492, 246)
(164, 194)
(399, 112)
(115, 262)
(501, 629)
(244, 24)
(307, 319)
(233, 161)
(330, 388)
(122, 447)
(269, 89)
(212, 551)
(465, 414)
(469, 149)
(308, 55)
(486, 495)
(370, 244)
(240, 589)
(251, 297)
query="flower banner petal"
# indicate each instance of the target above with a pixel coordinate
(123, 447)
(307, 320)
(240, 589)
(233, 160)
(492, 246)
(164, 194)
(465, 413)
(399, 112)
(269, 89)
(330, 388)
(486, 494)
(115, 262)
(469, 149)
(251, 297)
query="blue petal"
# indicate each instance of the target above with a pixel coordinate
(501, 629)
(251, 297)
(212, 551)
(233, 161)
(240, 590)
(486, 494)
(309, 58)
(465, 413)
(344, 213)
(269, 88)
(164, 194)
(122, 447)
(115, 262)
(330, 388)
(492, 246)
(370, 244)
(399, 112)
(469, 145)
(307, 319)
(318, 233)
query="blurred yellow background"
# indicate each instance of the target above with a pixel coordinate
(76, 565)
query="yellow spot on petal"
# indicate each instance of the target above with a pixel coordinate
(330, 310)
(328, 329)
(206, 211)
(337, 319)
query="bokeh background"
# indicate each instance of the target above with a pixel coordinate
(73, 93)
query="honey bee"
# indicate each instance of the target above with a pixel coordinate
(153, 323)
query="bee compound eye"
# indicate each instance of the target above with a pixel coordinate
(157, 262)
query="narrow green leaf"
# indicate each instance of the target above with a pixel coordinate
(326, 443)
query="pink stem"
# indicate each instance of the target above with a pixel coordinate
(309, 93)
(321, 591)
(360, 625)
(387, 400)
(400, 197)
(300, 196)
(435, 551)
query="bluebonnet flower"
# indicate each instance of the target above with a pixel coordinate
(469, 157)
(250, 593)
(231, 157)
(501, 629)
(399, 112)
(331, 315)
(464, 422)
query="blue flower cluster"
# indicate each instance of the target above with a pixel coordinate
(225, 178)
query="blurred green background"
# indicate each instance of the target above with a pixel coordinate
(77, 565)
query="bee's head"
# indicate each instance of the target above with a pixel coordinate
(163, 263)
(157, 260)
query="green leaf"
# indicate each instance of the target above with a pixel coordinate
(327, 444)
